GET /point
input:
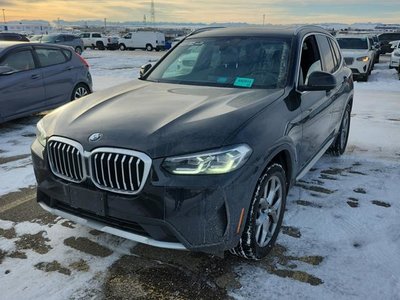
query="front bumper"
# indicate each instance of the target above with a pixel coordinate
(394, 62)
(199, 213)
(112, 46)
(359, 68)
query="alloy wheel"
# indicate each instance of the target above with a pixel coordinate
(80, 92)
(269, 209)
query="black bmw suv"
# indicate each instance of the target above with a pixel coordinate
(200, 152)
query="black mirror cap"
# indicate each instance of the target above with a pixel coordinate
(319, 81)
(144, 69)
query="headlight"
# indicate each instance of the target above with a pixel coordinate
(41, 134)
(210, 162)
(396, 53)
(363, 58)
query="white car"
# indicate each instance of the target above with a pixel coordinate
(146, 40)
(358, 54)
(395, 57)
(97, 40)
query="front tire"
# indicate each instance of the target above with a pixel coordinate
(265, 215)
(122, 47)
(80, 91)
(339, 145)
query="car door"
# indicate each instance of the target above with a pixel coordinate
(21, 88)
(316, 106)
(58, 74)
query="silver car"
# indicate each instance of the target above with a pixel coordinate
(36, 77)
(63, 39)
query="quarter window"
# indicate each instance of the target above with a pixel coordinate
(19, 61)
(49, 57)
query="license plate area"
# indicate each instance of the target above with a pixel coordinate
(91, 201)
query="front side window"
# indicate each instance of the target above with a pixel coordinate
(49, 57)
(69, 38)
(246, 62)
(310, 59)
(19, 61)
(353, 43)
(49, 38)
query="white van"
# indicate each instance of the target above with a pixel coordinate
(147, 40)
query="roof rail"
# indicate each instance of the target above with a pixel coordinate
(204, 29)
(301, 27)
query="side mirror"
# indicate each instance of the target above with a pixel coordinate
(144, 69)
(319, 81)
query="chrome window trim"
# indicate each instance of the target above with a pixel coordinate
(299, 60)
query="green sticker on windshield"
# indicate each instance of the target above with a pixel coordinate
(244, 82)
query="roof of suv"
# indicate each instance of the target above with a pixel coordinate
(287, 32)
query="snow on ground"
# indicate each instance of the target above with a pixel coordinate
(340, 239)
(111, 68)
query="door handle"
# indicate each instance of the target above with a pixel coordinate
(35, 76)
(69, 68)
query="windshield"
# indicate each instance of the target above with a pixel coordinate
(49, 38)
(246, 62)
(353, 43)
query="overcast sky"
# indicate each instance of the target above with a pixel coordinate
(251, 11)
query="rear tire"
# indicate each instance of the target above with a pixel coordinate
(149, 47)
(339, 145)
(80, 91)
(100, 46)
(265, 215)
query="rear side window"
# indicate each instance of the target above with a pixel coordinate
(49, 57)
(19, 61)
(69, 38)
(326, 54)
(96, 35)
(336, 53)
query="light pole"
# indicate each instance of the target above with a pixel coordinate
(4, 16)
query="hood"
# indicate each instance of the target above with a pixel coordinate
(355, 52)
(157, 118)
